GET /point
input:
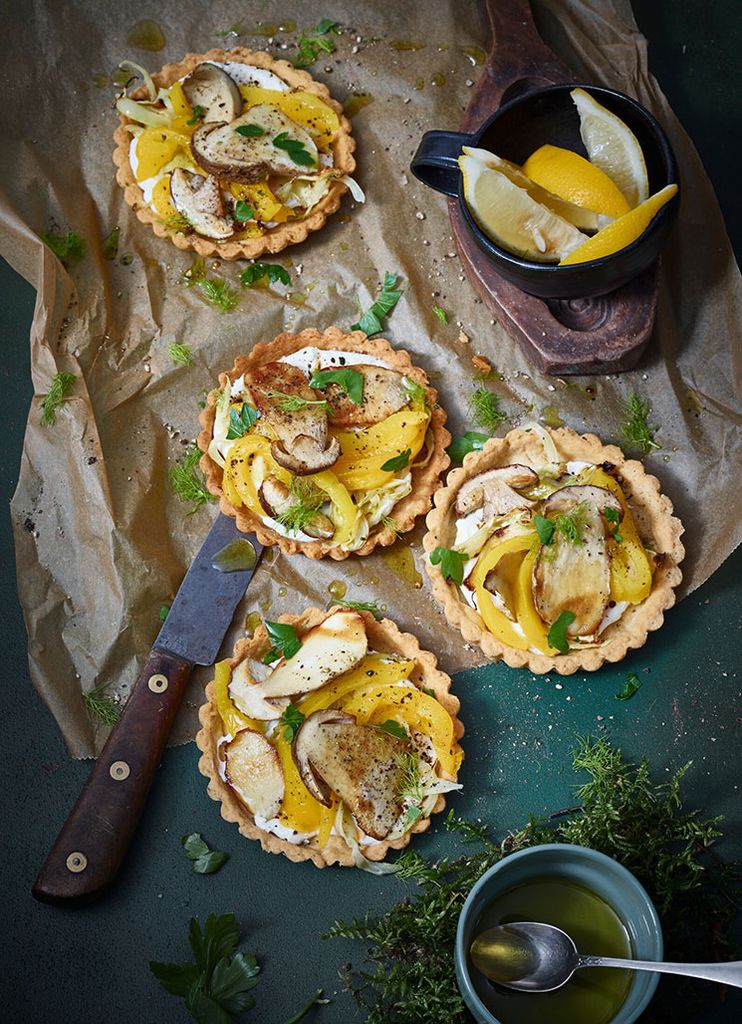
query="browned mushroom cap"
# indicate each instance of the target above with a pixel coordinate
(253, 769)
(221, 150)
(276, 498)
(383, 394)
(200, 201)
(358, 763)
(217, 94)
(575, 575)
(494, 491)
(303, 444)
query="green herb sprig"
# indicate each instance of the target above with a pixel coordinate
(370, 323)
(306, 501)
(392, 728)
(635, 428)
(250, 131)
(68, 248)
(219, 294)
(285, 641)
(557, 636)
(451, 563)
(312, 43)
(361, 606)
(471, 441)
(416, 393)
(291, 719)
(243, 211)
(614, 518)
(440, 314)
(181, 355)
(293, 403)
(205, 860)
(273, 271)
(196, 116)
(397, 462)
(296, 150)
(52, 402)
(485, 409)
(630, 687)
(241, 422)
(351, 382)
(409, 975)
(110, 247)
(100, 706)
(187, 480)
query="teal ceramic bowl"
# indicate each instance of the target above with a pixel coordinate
(590, 869)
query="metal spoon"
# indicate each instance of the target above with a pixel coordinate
(533, 957)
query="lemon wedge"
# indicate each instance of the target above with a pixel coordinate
(621, 232)
(613, 147)
(572, 177)
(511, 218)
(585, 220)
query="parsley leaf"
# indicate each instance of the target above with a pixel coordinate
(544, 529)
(61, 386)
(250, 131)
(327, 25)
(471, 441)
(398, 462)
(632, 684)
(285, 641)
(240, 422)
(217, 983)
(205, 860)
(311, 45)
(557, 637)
(351, 382)
(196, 116)
(393, 728)
(243, 211)
(296, 150)
(164, 610)
(451, 563)
(613, 516)
(67, 248)
(291, 720)
(389, 296)
(272, 271)
(441, 314)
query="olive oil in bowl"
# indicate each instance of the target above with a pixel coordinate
(589, 997)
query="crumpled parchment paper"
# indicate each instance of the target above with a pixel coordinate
(101, 540)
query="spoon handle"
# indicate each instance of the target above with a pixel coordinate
(728, 974)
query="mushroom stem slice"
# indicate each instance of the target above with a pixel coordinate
(495, 491)
(253, 769)
(361, 765)
(383, 394)
(306, 454)
(217, 94)
(200, 201)
(248, 696)
(277, 499)
(327, 651)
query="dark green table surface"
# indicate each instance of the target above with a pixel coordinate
(90, 965)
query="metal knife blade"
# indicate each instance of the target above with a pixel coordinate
(204, 605)
(94, 839)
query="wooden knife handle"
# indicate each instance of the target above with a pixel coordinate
(100, 827)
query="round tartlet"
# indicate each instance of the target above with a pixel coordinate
(425, 477)
(658, 532)
(383, 637)
(275, 238)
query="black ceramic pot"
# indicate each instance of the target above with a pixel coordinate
(515, 131)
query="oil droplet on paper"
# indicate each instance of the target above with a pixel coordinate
(438, 79)
(146, 35)
(405, 45)
(238, 556)
(475, 54)
(355, 102)
(252, 622)
(282, 591)
(337, 589)
(550, 417)
(399, 559)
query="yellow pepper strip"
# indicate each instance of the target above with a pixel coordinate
(155, 147)
(303, 107)
(345, 514)
(237, 479)
(525, 610)
(162, 199)
(299, 809)
(631, 572)
(416, 709)
(371, 670)
(232, 718)
(262, 200)
(496, 621)
(181, 106)
(327, 817)
(364, 452)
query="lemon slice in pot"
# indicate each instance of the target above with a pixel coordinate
(572, 177)
(582, 218)
(621, 232)
(613, 147)
(512, 219)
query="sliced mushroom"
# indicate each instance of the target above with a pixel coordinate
(253, 769)
(494, 491)
(576, 576)
(225, 152)
(217, 94)
(361, 765)
(328, 650)
(276, 499)
(200, 201)
(303, 444)
(383, 394)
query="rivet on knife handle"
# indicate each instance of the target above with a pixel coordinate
(100, 827)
